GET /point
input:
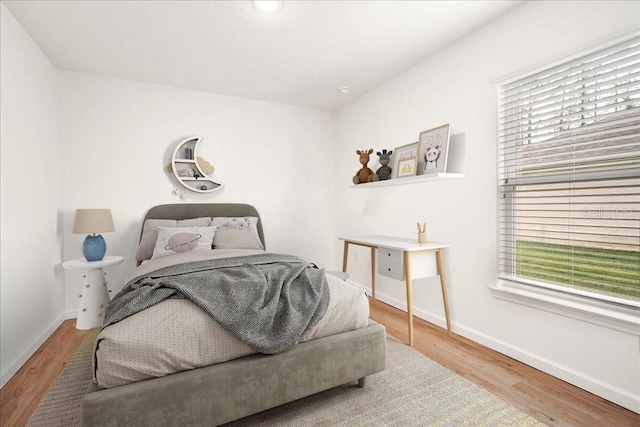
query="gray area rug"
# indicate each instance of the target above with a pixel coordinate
(61, 405)
(412, 391)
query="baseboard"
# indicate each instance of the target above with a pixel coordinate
(607, 391)
(579, 379)
(11, 371)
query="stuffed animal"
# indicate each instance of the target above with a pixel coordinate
(363, 173)
(384, 171)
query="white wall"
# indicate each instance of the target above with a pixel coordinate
(456, 86)
(116, 136)
(31, 287)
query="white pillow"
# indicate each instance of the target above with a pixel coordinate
(150, 232)
(174, 240)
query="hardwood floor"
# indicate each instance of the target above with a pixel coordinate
(544, 397)
(22, 393)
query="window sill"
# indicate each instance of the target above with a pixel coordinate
(615, 316)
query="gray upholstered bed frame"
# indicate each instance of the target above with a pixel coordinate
(225, 392)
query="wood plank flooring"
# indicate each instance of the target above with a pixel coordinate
(21, 394)
(544, 397)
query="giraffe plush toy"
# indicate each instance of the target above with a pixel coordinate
(384, 171)
(363, 173)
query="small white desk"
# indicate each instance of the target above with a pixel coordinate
(395, 261)
(95, 295)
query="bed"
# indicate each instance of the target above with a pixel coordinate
(231, 384)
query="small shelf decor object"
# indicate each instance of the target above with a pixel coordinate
(385, 171)
(406, 158)
(422, 233)
(192, 171)
(364, 174)
(91, 222)
(433, 150)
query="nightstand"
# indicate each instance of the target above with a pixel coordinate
(95, 295)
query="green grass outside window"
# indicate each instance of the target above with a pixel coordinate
(610, 272)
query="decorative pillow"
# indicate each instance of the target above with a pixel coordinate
(150, 232)
(174, 240)
(239, 232)
(243, 238)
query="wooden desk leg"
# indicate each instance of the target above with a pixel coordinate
(407, 276)
(345, 256)
(373, 272)
(443, 283)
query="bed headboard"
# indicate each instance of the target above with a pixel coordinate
(197, 210)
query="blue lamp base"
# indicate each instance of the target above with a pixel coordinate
(94, 247)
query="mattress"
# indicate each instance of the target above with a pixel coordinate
(176, 335)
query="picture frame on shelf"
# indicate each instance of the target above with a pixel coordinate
(405, 160)
(433, 150)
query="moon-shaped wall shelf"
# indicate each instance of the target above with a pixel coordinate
(192, 171)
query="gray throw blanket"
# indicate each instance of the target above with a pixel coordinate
(267, 300)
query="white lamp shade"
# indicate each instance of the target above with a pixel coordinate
(92, 221)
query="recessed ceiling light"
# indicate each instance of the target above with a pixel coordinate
(343, 90)
(267, 6)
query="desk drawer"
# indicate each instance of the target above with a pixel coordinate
(391, 263)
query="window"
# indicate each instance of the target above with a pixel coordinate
(569, 177)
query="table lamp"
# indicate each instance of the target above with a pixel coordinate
(92, 221)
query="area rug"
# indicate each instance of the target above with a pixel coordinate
(411, 391)
(61, 405)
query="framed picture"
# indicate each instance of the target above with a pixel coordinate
(406, 160)
(433, 150)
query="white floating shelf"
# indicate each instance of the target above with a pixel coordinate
(411, 180)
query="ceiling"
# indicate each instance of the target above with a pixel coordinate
(300, 55)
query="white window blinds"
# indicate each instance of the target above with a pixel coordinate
(569, 175)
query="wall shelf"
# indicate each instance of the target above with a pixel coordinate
(185, 160)
(410, 180)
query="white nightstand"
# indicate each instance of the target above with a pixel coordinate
(95, 295)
